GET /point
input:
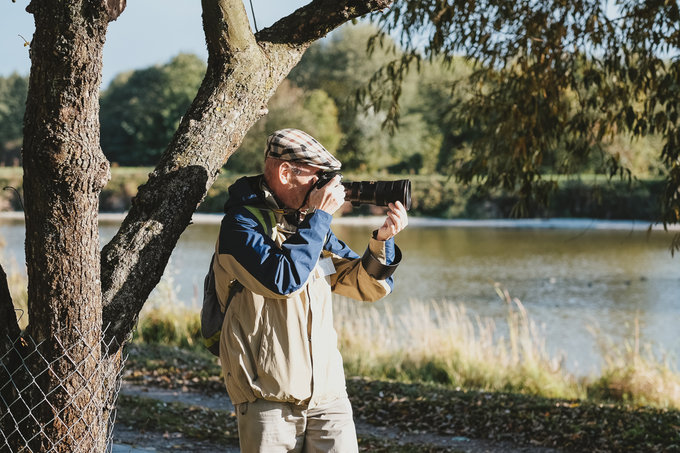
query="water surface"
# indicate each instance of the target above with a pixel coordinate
(572, 279)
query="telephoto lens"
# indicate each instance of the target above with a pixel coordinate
(379, 193)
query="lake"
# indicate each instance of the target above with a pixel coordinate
(571, 275)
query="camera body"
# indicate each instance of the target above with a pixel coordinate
(325, 177)
(379, 193)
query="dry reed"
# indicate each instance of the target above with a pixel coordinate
(442, 342)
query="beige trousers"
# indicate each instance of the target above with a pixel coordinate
(271, 427)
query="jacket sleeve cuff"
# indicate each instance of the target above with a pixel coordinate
(374, 260)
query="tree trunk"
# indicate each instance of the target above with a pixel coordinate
(64, 171)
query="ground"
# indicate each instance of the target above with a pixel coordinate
(131, 439)
(173, 399)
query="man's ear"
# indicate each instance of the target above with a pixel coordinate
(284, 173)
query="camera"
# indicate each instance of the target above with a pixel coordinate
(379, 193)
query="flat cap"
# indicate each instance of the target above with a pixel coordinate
(297, 146)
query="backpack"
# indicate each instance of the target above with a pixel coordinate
(212, 315)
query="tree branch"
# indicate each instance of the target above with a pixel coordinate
(317, 19)
(226, 26)
(114, 8)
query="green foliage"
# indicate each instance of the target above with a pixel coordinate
(13, 91)
(339, 66)
(140, 111)
(312, 111)
(553, 81)
(529, 98)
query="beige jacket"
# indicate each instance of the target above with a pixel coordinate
(276, 344)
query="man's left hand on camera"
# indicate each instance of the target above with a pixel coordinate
(396, 220)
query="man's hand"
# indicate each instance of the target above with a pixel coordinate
(395, 222)
(329, 198)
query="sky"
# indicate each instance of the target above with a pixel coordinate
(148, 32)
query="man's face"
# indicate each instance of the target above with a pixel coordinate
(301, 178)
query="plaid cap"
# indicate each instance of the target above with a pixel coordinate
(297, 146)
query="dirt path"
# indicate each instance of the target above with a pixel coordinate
(218, 402)
(127, 439)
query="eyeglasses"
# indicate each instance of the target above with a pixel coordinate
(297, 171)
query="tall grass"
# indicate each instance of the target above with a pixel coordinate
(167, 320)
(635, 372)
(442, 342)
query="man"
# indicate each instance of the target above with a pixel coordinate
(276, 263)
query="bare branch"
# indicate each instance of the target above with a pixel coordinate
(114, 8)
(317, 19)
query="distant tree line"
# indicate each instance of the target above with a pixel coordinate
(141, 109)
(13, 90)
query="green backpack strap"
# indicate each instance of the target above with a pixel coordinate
(266, 218)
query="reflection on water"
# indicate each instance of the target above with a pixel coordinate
(569, 280)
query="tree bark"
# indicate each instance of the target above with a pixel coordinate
(64, 171)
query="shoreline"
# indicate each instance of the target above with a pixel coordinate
(433, 222)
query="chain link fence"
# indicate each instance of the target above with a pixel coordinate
(59, 396)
